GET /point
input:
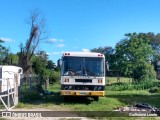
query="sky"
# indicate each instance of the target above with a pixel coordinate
(77, 25)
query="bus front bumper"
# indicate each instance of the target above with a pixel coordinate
(82, 93)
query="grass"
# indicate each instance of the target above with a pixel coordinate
(111, 80)
(111, 101)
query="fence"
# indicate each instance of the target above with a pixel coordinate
(9, 96)
(29, 82)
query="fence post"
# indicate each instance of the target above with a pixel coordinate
(8, 98)
(16, 90)
(30, 82)
(47, 83)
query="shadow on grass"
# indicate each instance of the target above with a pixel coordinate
(54, 98)
(153, 100)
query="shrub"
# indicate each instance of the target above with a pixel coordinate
(30, 96)
(154, 90)
(55, 77)
(141, 85)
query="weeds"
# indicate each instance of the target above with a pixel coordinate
(144, 85)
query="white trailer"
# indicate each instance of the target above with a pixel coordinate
(10, 77)
(9, 73)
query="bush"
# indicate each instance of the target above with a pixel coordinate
(142, 85)
(55, 77)
(143, 72)
(154, 90)
(30, 96)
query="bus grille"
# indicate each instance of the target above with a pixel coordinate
(83, 87)
(84, 80)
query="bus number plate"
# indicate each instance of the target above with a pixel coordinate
(83, 93)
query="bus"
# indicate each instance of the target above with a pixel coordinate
(83, 74)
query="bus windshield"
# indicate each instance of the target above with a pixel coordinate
(83, 66)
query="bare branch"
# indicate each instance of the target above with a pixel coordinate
(37, 34)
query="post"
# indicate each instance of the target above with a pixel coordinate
(16, 89)
(47, 83)
(30, 82)
(8, 98)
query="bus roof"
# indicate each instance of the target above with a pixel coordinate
(83, 54)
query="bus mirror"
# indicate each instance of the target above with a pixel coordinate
(59, 63)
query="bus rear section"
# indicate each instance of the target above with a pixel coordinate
(83, 74)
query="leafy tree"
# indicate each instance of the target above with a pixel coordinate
(51, 65)
(40, 62)
(107, 51)
(110, 58)
(3, 53)
(155, 43)
(133, 56)
(44, 67)
(14, 59)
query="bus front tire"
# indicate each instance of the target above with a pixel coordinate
(96, 98)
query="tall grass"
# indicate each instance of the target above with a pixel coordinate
(144, 85)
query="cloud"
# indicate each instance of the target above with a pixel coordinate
(85, 50)
(6, 39)
(54, 53)
(60, 45)
(54, 40)
(57, 42)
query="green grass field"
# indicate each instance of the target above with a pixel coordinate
(110, 80)
(111, 101)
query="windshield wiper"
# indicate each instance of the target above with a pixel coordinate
(85, 72)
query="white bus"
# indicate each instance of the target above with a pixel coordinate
(83, 74)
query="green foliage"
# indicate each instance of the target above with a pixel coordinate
(3, 53)
(51, 65)
(133, 56)
(55, 76)
(45, 68)
(14, 59)
(109, 56)
(29, 96)
(142, 85)
(154, 90)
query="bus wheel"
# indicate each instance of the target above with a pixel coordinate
(65, 98)
(96, 98)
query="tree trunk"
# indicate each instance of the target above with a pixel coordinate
(24, 63)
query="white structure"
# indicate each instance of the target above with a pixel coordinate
(9, 82)
(83, 74)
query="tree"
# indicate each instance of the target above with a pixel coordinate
(37, 34)
(3, 53)
(51, 65)
(44, 67)
(133, 56)
(109, 56)
(40, 62)
(155, 43)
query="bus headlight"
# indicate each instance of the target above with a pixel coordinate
(65, 87)
(98, 88)
(95, 87)
(70, 88)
